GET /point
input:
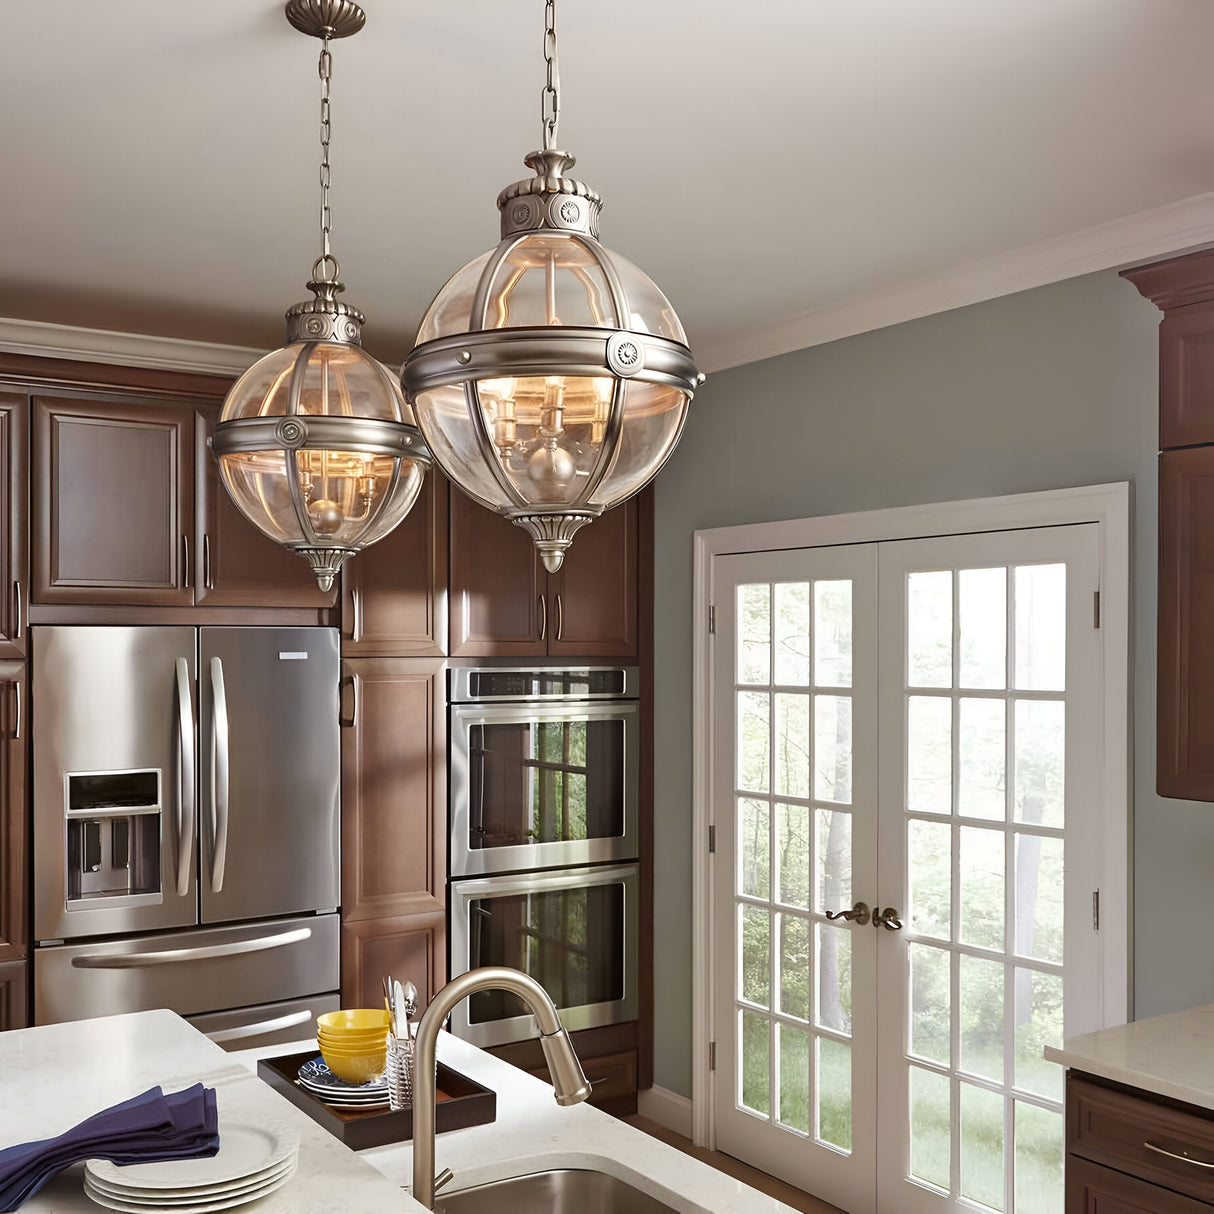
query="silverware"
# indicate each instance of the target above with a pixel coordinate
(389, 1003)
(410, 994)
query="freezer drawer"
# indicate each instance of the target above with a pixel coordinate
(265, 1024)
(203, 970)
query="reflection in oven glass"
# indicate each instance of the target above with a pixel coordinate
(571, 941)
(546, 782)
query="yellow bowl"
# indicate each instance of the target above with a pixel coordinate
(353, 1051)
(354, 1019)
(349, 1040)
(361, 1068)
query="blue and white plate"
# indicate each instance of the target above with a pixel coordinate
(316, 1077)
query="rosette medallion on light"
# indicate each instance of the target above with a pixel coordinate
(316, 445)
(551, 377)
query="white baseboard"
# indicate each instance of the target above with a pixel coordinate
(666, 1108)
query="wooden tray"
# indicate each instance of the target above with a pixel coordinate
(461, 1102)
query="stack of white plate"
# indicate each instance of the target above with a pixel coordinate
(316, 1077)
(253, 1160)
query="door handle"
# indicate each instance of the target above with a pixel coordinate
(219, 1036)
(356, 612)
(186, 778)
(543, 601)
(17, 610)
(16, 709)
(858, 914)
(887, 918)
(219, 776)
(341, 721)
(201, 952)
(206, 562)
(185, 561)
(560, 618)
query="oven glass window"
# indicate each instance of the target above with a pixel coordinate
(543, 781)
(571, 941)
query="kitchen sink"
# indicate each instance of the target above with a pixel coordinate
(561, 1191)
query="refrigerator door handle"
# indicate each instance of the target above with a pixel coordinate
(186, 782)
(219, 776)
(219, 1036)
(202, 952)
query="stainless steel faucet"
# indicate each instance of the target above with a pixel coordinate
(567, 1077)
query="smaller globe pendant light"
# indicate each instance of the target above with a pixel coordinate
(551, 377)
(315, 443)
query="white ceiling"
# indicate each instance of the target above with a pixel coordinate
(786, 171)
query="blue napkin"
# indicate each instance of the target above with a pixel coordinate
(146, 1128)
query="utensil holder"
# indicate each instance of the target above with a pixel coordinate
(399, 1072)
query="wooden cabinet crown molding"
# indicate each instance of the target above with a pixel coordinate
(1176, 282)
(23, 370)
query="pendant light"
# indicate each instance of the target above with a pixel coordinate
(551, 377)
(316, 445)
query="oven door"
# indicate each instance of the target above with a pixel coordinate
(574, 932)
(542, 785)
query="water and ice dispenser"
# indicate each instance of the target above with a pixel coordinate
(113, 838)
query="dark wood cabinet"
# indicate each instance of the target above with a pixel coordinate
(1092, 1189)
(14, 520)
(412, 948)
(14, 818)
(14, 995)
(394, 594)
(503, 603)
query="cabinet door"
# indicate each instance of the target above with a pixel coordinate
(394, 594)
(413, 949)
(394, 796)
(14, 819)
(498, 600)
(113, 500)
(14, 995)
(14, 514)
(235, 565)
(1092, 1189)
(592, 598)
(1185, 710)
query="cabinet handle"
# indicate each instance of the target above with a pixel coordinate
(17, 610)
(353, 681)
(185, 562)
(206, 562)
(356, 624)
(1200, 1163)
(17, 709)
(560, 618)
(543, 617)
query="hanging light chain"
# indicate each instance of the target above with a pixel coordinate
(327, 264)
(550, 101)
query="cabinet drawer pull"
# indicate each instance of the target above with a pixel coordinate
(1199, 1163)
(543, 602)
(206, 562)
(17, 709)
(17, 610)
(560, 618)
(185, 561)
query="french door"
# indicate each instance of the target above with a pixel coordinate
(906, 744)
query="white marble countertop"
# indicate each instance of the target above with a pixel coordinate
(1172, 1055)
(51, 1078)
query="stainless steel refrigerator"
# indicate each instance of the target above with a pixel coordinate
(186, 825)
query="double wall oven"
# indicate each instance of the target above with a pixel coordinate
(544, 784)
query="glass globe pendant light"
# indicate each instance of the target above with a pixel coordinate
(551, 377)
(315, 443)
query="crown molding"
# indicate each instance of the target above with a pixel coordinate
(124, 349)
(1133, 239)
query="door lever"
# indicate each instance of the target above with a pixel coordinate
(887, 918)
(859, 914)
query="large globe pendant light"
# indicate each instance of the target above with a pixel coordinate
(551, 377)
(315, 443)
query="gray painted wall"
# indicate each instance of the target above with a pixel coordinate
(1046, 389)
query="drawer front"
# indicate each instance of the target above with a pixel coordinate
(1091, 1189)
(1163, 1145)
(613, 1080)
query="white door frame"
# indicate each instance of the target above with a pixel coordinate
(1106, 505)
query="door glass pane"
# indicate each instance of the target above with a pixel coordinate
(982, 1146)
(754, 720)
(834, 977)
(754, 1082)
(1040, 611)
(754, 927)
(930, 1127)
(982, 890)
(795, 961)
(981, 750)
(792, 853)
(1039, 765)
(792, 633)
(834, 1092)
(929, 755)
(1038, 1024)
(930, 877)
(792, 745)
(1039, 1150)
(832, 748)
(794, 1078)
(929, 629)
(1039, 901)
(754, 848)
(833, 852)
(982, 1017)
(930, 1003)
(982, 607)
(832, 634)
(754, 633)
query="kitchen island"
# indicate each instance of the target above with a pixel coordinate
(53, 1077)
